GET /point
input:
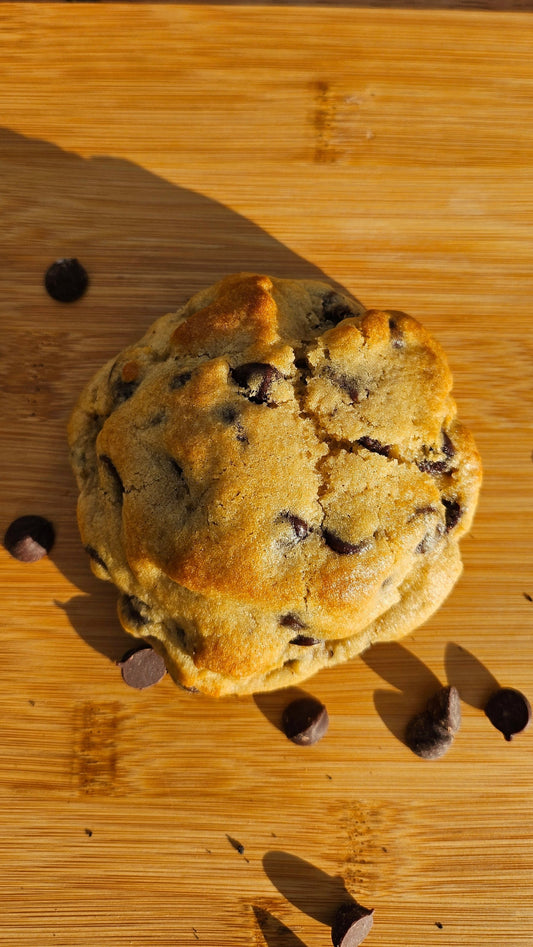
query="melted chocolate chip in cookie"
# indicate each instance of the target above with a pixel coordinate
(96, 557)
(229, 415)
(335, 309)
(257, 378)
(352, 386)
(301, 529)
(134, 611)
(305, 641)
(375, 446)
(292, 621)
(180, 380)
(343, 548)
(448, 446)
(453, 513)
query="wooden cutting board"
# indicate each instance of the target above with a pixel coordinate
(164, 147)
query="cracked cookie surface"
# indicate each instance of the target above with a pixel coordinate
(274, 478)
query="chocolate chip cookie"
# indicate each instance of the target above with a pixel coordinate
(274, 477)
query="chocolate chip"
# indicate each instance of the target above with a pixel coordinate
(352, 386)
(375, 446)
(305, 721)
(304, 641)
(335, 308)
(122, 390)
(351, 924)
(180, 380)
(257, 378)
(238, 846)
(142, 667)
(396, 333)
(343, 548)
(433, 466)
(509, 711)
(96, 557)
(426, 738)
(453, 513)
(29, 538)
(109, 466)
(66, 280)
(229, 415)
(300, 528)
(431, 733)
(292, 621)
(447, 445)
(134, 611)
(445, 708)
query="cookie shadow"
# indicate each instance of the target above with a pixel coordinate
(148, 245)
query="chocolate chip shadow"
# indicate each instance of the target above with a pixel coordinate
(472, 679)
(275, 933)
(307, 887)
(147, 245)
(415, 683)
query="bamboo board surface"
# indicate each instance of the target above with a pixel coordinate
(165, 147)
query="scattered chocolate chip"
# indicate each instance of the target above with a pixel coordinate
(109, 466)
(134, 611)
(453, 513)
(96, 557)
(343, 548)
(29, 538)
(89, 832)
(509, 711)
(292, 621)
(304, 641)
(375, 446)
(300, 528)
(180, 380)
(257, 378)
(142, 667)
(352, 923)
(528, 597)
(238, 846)
(426, 738)
(445, 708)
(66, 280)
(335, 308)
(305, 721)
(431, 733)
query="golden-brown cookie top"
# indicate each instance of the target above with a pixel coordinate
(271, 462)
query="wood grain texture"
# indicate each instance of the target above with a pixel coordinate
(166, 146)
